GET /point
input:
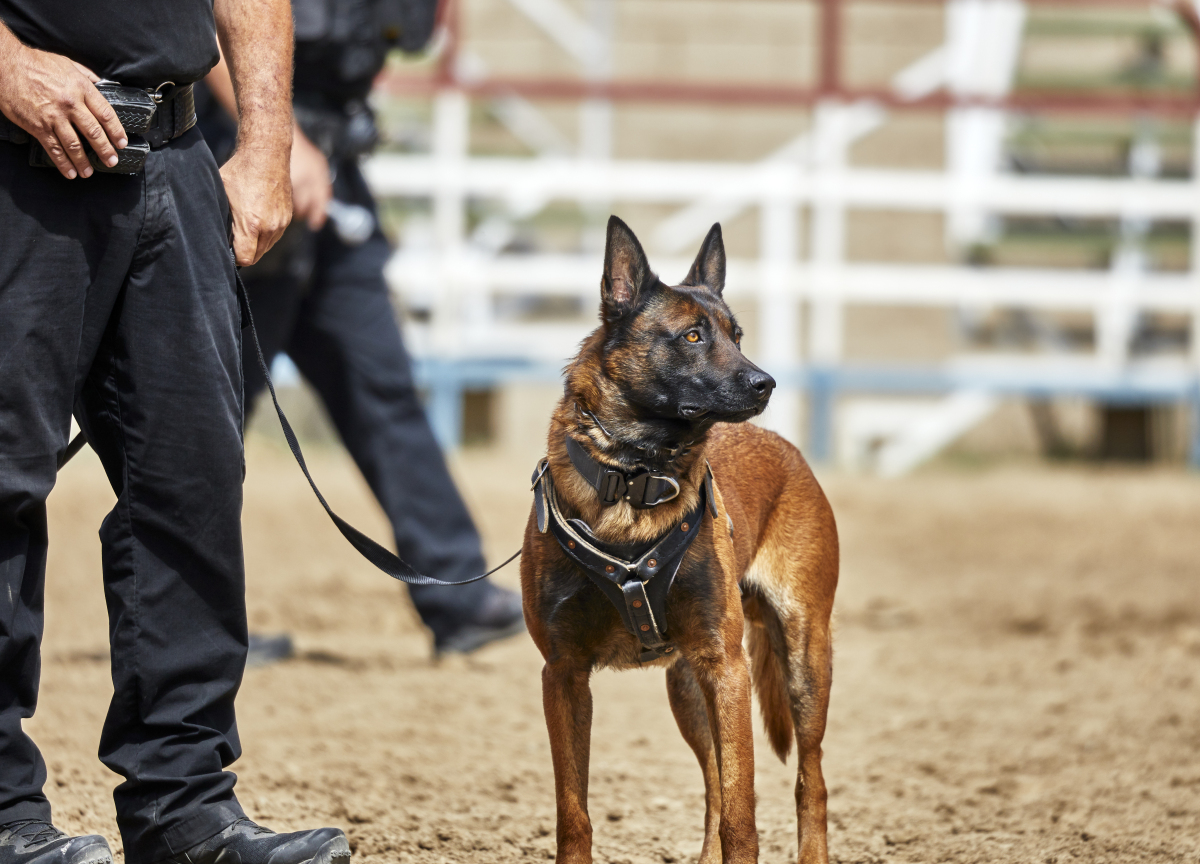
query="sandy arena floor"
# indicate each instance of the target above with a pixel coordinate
(1017, 678)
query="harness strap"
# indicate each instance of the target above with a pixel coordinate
(637, 588)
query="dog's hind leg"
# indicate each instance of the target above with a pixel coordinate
(687, 703)
(567, 701)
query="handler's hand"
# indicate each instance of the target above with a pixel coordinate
(312, 187)
(50, 97)
(260, 198)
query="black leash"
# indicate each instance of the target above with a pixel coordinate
(74, 447)
(390, 563)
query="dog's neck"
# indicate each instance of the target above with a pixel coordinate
(653, 446)
(613, 433)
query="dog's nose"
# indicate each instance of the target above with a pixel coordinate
(760, 382)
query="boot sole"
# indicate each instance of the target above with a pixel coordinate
(476, 638)
(335, 851)
(96, 853)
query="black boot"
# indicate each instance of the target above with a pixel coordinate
(498, 617)
(243, 842)
(32, 841)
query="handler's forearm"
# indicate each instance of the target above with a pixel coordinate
(256, 38)
(221, 85)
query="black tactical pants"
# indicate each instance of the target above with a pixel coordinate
(117, 303)
(341, 331)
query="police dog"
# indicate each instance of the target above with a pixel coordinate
(662, 385)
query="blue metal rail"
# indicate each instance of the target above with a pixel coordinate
(446, 380)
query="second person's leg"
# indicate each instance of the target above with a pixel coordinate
(347, 343)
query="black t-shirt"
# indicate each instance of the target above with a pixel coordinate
(141, 43)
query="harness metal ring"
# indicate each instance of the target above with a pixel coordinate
(674, 494)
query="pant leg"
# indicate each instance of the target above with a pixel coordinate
(162, 407)
(64, 249)
(347, 343)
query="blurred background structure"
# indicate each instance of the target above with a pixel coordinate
(968, 224)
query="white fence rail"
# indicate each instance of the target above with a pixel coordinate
(461, 283)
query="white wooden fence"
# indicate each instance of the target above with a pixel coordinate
(459, 278)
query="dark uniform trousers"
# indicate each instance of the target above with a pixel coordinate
(340, 329)
(117, 303)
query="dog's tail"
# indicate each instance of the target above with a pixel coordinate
(767, 672)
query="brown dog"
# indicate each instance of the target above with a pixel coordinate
(649, 402)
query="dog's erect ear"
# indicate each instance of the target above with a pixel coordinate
(709, 267)
(626, 270)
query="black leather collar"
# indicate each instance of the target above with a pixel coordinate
(636, 585)
(641, 488)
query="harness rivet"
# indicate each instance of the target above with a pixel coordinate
(637, 604)
(645, 627)
(570, 544)
(610, 568)
(683, 527)
(652, 563)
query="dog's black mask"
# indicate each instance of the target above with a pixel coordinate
(675, 350)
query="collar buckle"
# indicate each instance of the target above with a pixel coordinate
(613, 486)
(639, 487)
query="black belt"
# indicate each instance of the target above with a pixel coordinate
(151, 118)
(176, 114)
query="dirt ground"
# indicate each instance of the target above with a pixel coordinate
(1017, 678)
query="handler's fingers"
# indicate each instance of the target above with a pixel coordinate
(55, 151)
(267, 239)
(88, 118)
(73, 147)
(108, 119)
(58, 152)
(245, 245)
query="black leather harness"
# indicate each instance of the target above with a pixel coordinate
(636, 581)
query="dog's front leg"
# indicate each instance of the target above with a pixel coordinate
(725, 680)
(567, 701)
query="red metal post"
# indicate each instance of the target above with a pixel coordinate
(829, 76)
(448, 20)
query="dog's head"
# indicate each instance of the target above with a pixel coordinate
(675, 352)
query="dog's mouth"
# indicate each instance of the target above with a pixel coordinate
(743, 415)
(695, 412)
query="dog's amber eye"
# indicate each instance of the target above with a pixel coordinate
(693, 336)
